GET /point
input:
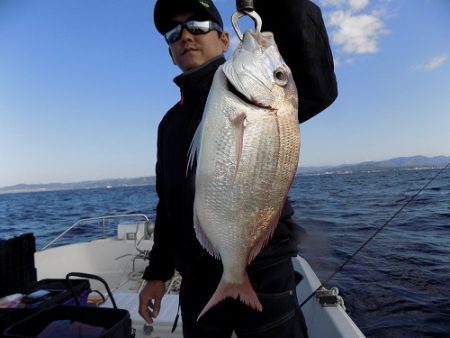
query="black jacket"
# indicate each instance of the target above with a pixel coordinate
(302, 40)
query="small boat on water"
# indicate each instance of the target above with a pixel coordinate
(121, 259)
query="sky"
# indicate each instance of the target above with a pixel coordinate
(84, 84)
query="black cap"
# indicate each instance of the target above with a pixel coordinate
(165, 10)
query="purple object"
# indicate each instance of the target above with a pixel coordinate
(66, 329)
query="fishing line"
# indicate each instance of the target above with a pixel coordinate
(412, 198)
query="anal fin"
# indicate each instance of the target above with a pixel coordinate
(203, 239)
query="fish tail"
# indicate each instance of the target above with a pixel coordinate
(243, 291)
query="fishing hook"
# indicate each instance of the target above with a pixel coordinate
(239, 14)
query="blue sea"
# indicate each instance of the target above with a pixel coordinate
(398, 285)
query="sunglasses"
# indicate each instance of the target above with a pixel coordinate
(193, 27)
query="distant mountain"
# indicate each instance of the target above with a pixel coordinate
(395, 163)
(412, 162)
(107, 183)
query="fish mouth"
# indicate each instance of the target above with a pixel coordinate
(245, 99)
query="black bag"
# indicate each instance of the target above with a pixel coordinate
(60, 292)
(116, 323)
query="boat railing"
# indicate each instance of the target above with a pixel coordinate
(104, 225)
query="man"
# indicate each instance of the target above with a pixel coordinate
(194, 32)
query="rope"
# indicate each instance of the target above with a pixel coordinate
(377, 232)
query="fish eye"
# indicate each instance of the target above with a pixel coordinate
(281, 76)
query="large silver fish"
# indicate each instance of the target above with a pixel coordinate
(247, 148)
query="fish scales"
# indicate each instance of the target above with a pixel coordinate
(247, 148)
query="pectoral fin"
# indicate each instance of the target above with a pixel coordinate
(194, 148)
(238, 122)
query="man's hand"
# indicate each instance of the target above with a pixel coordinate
(150, 299)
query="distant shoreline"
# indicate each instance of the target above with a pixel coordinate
(399, 163)
(94, 184)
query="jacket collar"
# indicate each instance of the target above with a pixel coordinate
(198, 80)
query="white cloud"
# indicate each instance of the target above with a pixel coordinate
(352, 4)
(356, 34)
(358, 4)
(434, 63)
(333, 3)
(355, 26)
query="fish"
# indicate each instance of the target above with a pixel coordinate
(246, 149)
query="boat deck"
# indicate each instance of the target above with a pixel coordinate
(121, 263)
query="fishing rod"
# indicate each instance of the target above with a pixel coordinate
(412, 198)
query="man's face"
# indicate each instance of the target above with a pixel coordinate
(191, 51)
